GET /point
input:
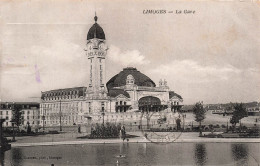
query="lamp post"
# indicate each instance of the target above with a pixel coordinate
(227, 125)
(60, 117)
(103, 114)
(183, 121)
(43, 116)
(13, 130)
(43, 119)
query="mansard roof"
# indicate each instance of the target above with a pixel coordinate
(67, 91)
(115, 92)
(172, 94)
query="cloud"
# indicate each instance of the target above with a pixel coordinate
(191, 71)
(126, 58)
(58, 64)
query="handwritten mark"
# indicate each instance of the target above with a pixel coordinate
(37, 74)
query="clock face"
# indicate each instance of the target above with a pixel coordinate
(89, 46)
(102, 46)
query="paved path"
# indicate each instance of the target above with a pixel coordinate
(70, 139)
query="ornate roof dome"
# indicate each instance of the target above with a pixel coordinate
(96, 31)
(120, 78)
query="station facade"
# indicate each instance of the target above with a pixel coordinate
(123, 98)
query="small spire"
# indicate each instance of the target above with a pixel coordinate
(95, 18)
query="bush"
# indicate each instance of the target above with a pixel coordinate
(106, 131)
(223, 126)
(53, 132)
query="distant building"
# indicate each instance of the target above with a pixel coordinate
(253, 109)
(187, 108)
(29, 113)
(215, 109)
(31, 116)
(6, 114)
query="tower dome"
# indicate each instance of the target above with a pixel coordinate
(96, 31)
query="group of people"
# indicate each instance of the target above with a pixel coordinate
(107, 130)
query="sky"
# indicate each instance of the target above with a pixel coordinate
(210, 56)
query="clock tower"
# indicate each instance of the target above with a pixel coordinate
(96, 52)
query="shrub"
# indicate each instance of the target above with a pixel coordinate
(53, 132)
(107, 130)
(244, 128)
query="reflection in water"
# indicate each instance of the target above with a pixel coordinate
(137, 154)
(200, 154)
(17, 157)
(240, 153)
(2, 157)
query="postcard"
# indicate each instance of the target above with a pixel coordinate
(129, 82)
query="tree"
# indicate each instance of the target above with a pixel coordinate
(178, 122)
(17, 115)
(199, 113)
(239, 113)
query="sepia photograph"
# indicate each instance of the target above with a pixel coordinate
(162, 83)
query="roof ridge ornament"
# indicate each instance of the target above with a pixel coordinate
(95, 18)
